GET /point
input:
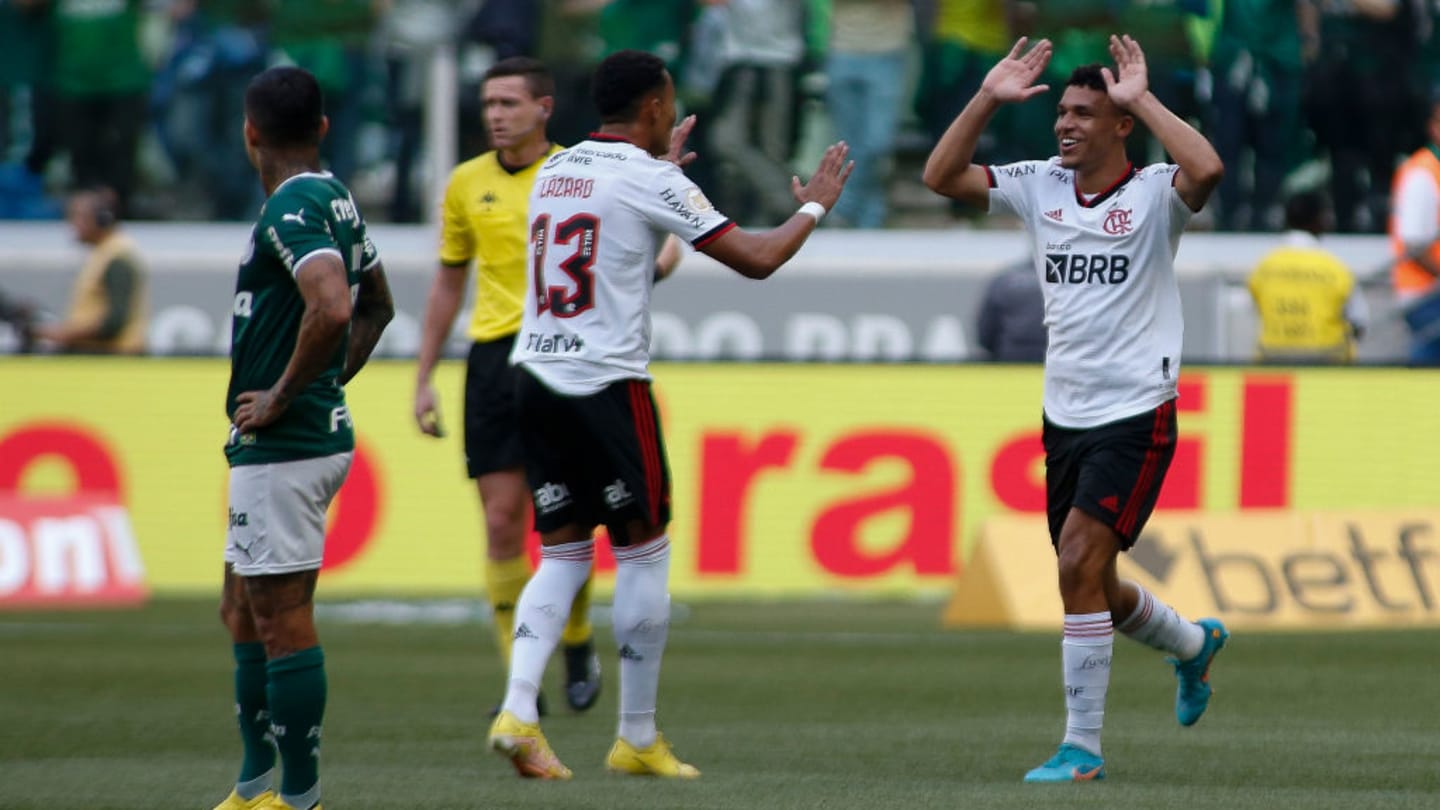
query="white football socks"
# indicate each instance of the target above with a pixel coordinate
(540, 618)
(1156, 624)
(641, 623)
(1085, 652)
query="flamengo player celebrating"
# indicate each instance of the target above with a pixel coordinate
(1104, 235)
(594, 453)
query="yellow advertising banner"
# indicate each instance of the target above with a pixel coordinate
(787, 479)
(1261, 570)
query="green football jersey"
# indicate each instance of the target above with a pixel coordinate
(307, 215)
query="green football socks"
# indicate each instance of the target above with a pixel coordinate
(297, 706)
(252, 711)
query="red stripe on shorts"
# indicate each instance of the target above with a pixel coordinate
(1126, 524)
(644, 416)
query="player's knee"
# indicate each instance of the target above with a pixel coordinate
(1080, 566)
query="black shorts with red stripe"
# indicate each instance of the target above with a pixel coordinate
(594, 460)
(1112, 472)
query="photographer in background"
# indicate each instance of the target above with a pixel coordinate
(107, 304)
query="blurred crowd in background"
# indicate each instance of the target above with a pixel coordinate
(144, 96)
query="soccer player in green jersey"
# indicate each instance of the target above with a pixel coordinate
(310, 303)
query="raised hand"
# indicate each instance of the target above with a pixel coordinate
(1133, 81)
(678, 136)
(829, 178)
(1013, 78)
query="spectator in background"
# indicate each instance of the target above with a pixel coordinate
(1257, 64)
(1011, 326)
(101, 82)
(1415, 241)
(26, 139)
(1357, 96)
(1311, 310)
(571, 46)
(108, 303)
(866, 71)
(198, 100)
(752, 130)
(330, 39)
(409, 34)
(965, 38)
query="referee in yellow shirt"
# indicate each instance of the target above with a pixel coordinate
(1311, 309)
(485, 222)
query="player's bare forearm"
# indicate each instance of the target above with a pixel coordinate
(952, 158)
(1200, 165)
(441, 307)
(323, 287)
(321, 334)
(374, 308)
(759, 254)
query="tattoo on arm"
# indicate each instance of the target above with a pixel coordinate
(374, 307)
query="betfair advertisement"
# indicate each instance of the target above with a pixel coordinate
(788, 480)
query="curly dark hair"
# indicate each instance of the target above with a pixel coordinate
(622, 80)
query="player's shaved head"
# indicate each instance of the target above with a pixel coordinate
(622, 81)
(286, 107)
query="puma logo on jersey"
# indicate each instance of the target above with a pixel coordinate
(1080, 268)
(298, 217)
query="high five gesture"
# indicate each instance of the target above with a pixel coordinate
(1130, 81)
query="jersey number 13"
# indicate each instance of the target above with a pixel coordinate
(562, 300)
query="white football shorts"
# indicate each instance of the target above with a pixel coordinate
(277, 514)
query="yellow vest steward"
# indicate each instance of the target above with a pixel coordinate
(89, 303)
(1300, 293)
(485, 218)
(1408, 276)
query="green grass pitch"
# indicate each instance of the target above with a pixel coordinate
(791, 705)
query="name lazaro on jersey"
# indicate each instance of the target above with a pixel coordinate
(1107, 268)
(307, 215)
(599, 213)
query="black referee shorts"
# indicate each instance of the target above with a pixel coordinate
(492, 430)
(1112, 472)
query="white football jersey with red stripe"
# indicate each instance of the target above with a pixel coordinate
(599, 213)
(1107, 266)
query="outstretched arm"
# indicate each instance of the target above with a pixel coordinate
(758, 254)
(1200, 166)
(949, 170)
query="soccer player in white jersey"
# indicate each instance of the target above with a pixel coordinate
(1104, 235)
(594, 453)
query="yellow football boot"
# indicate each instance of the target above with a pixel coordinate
(525, 746)
(234, 802)
(657, 760)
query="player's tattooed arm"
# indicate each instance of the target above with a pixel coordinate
(374, 307)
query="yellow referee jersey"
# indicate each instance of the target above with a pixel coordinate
(485, 218)
(1302, 294)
